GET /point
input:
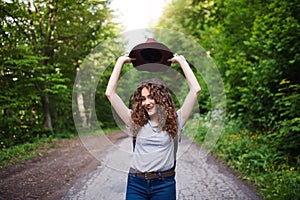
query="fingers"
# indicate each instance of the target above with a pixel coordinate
(176, 58)
(126, 59)
(127, 55)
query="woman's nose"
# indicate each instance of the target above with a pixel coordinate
(147, 101)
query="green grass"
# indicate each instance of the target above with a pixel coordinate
(253, 155)
(19, 153)
(109, 130)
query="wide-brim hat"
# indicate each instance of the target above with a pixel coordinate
(151, 56)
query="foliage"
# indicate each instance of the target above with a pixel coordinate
(17, 153)
(254, 155)
(256, 47)
(22, 152)
(43, 44)
(28, 150)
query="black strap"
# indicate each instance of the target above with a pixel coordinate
(134, 141)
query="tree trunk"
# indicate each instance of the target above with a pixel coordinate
(90, 110)
(81, 109)
(47, 115)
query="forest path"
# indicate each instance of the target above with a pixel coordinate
(198, 175)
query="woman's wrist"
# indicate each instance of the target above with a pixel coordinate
(123, 59)
(180, 59)
(120, 62)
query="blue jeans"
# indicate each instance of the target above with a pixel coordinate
(139, 188)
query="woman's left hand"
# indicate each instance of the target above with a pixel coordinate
(177, 59)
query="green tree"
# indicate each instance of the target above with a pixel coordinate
(256, 47)
(43, 44)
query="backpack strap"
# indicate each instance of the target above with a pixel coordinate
(133, 142)
(175, 140)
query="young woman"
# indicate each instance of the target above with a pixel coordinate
(156, 125)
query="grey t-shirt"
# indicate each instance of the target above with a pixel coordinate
(155, 150)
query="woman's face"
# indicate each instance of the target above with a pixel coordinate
(148, 102)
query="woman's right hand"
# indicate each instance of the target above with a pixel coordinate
(125, 59)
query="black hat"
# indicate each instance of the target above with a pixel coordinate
(151, 56)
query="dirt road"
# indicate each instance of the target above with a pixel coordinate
(199, 176)
(52, 173)
(69, 171)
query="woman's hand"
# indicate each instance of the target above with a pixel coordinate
(177, 59)
(125, 59)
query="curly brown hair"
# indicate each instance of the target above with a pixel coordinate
(166, 108)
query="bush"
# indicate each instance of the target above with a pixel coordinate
(254, 155)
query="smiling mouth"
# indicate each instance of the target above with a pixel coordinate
(149, 108)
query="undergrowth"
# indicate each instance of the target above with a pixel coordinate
(18, 153)
(253, 154)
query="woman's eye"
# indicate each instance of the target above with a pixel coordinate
(143, 98)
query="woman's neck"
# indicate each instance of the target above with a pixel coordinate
(154, 120)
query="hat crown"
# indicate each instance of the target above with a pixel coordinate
(151, 56)
(150, 40)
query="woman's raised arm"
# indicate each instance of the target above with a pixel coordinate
(115, 100)
(191, 98)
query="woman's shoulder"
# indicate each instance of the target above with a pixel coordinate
(178, 112)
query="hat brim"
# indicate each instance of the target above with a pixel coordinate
(151, 56)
